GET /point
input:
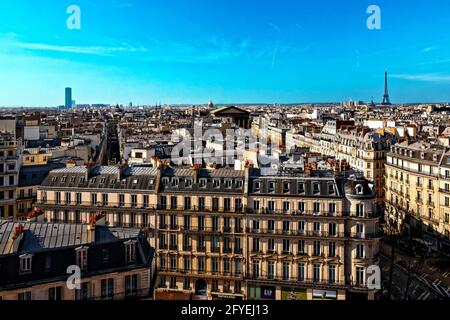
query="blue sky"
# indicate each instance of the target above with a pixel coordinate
(229, 51)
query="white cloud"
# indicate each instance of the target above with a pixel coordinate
(426, 77)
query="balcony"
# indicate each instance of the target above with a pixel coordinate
(295, 233)
(270, 278)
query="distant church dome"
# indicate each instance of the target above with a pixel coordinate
(210, 104)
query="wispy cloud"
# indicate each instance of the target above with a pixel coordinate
(94, 50)
(428, 49)
(426, 77)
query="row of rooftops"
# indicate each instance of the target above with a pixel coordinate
(315, 182)
(422, 151)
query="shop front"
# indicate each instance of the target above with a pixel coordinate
(256, 292)
(293, 294)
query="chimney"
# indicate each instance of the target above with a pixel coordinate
(196, 173)
(98, 219)
(36, 215)
(308, 169)
(71, 163)
(155, 161)
(16, 237)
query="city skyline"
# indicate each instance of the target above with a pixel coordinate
(190, 53)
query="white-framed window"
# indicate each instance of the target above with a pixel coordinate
(25, 263)
(130, 251)
(81, 257)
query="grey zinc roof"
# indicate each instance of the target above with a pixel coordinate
(43, 236)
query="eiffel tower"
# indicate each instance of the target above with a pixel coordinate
(386, 101)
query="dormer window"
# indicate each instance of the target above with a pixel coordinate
(54, 179)
(301, 187)
(434, 157)
(271, 186)
(113, 181)
(316, 188)
(81, 257)
(130, 251)
(25, 263)
(72, 179)
(175, 182)
(257, 185)
(330, 188)
(216, 183)
(123, 181)
(239, 184)
(202, 182)
(228, 184)
(188, 183)
(135, 181)
(82, 179)
(93, 180)
(63, 179)
(359, 189)
(102, 180)
(422, 155)
(165, 181)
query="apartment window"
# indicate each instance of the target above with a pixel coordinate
(186, 284)
(187, 203)
(256, 205)
(332, 208)
(78, 197)
(301, 272)
(238, 205)
(447, 201)
(201, 222)
(133, 200)
(316, 207)
(11, 180)
(48, 263)
(145, 200)
(359, 230)
(286, 227)
(162, 282)
(316, 248)
(215, 285)
(286, 270)
(271, 245)
(131, 285)
(107, 288)
(359, 276)
(201, 243)
(201, 264)
(316, 227)
(360, 210)
(271, 225)
(286, 206)
(201, 203)
(271, 205)
(83, 293)
(173, 263)
(301, 246)
(256, 264)
(215, 264)
(360, 251)
(68, 197)
(255, 225)
(187, 264)
(301, 206)
(226, 265)
(255, 244)
(226, 204)
(286, 246)
(187, 222)
(332, 229)
(81, 257)
(215, 204)
(121, 200)
(25, 263)
(285, 187)
(301, 187)
(173, 202)
(162, 221)
(301, 227)
(173, 222)
(331, 274)
(330, 188)
(271, 186)
(130, 252)
(94, 198)
(316, 188)
(237, 225)
(162, 261)
(447, 217)
(55, 294)
(186, 242)
(24, 296)
(105, 199)
(332, 249)
(316, 272)
(58, 197)
(237, 266)
(105, 255)
(215, 244)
